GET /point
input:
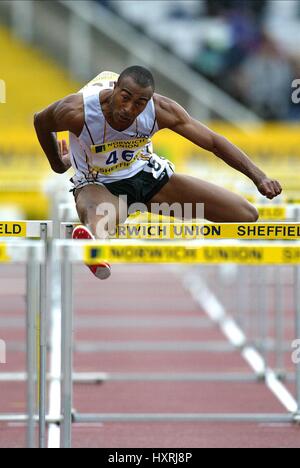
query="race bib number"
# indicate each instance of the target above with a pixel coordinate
(117, 155)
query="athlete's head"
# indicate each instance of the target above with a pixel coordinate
(133, 91)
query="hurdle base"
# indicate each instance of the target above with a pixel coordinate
(23, 418)
(99, 378)
(188, 418)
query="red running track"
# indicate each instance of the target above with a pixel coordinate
(103, 313)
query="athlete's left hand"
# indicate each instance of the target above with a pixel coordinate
(270, 188)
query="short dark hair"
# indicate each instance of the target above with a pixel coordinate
(142, 76)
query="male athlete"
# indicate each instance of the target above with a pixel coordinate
(111, 122)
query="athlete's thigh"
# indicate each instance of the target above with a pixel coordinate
(220, 205)
(94, 199)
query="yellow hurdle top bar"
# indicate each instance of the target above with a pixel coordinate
(194, 252)
(24, 229)
(190, 231)
(276, 212)
(267, 212)
(172, 231)
(13, 229)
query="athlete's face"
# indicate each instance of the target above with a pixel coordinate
(129, 100)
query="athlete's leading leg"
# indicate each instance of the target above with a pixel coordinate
(99, 210)
(220, 205)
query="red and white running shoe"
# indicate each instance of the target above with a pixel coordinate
(101, 270)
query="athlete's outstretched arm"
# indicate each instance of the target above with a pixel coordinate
(59, 116)
(171, 115)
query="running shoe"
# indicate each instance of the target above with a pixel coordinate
(103, 269)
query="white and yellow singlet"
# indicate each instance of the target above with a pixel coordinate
(102, 154)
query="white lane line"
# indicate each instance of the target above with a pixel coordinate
(55, 385)
(255, 360)
(281, 391)
(55, 360)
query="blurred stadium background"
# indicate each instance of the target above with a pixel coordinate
(230, 63)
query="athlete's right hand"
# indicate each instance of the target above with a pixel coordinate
(64, 153)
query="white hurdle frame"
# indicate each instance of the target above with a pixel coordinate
(31, 253)
(67, 210)
(39, 230)
(100, 377)
(44, 230)
(68, 253)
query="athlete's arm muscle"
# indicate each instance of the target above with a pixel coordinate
(171, 115)
(66, 114)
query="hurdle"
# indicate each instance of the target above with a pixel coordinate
(43, 230)
(278, 212)
(268, 212)
(192, 231)
(65, 213)
(34, 230)
(189, 231)
(258, 231)
(31, 253)
(192, 253)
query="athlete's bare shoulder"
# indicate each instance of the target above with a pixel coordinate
(65, 114)
(169, 113)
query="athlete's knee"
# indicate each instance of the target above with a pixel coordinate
(87, 212)
(249, 213)
(93, 211)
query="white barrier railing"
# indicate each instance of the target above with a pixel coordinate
(42, 230)
(66, 211)
(65, 253)
(193, 252)
(31, 253)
